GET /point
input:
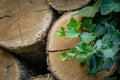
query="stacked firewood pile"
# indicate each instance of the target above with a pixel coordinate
(29, 48)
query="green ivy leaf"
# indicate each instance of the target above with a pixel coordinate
(88, 25)
(108, 6)
(72, 28)
(115, 49)
(108, 53)
(72, 34)
(61, 32)
(63, 56)
(95, 63)
(72, 53)
(108, 62)
(106, 41)
(99, 30)
(81, 58)
(98, 45)
(89, 11)
(82, 47)
(87, 37)
(73, 24)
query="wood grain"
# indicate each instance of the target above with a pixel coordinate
(9, 68)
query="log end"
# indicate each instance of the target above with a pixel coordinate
(9, 69)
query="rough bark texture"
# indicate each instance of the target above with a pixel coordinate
(70, 69)
(9, 69)
(45, 77)
(24, 24)
(67, 5)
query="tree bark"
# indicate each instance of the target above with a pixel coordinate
(70, 69)
(67, 5)
(9, 68)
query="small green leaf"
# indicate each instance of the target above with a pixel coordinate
(73, 24)
(95, 63)
(61, 32)
(63, 56)
(89, 11)
(108, 53)
(99, 30)
(72, 53)
(108, 6)
(87, 37)
(72, 34)
(115, 49)
(106, 41)
(82, 47)
(72, 28)
(88, 25)
(108, 62)
(81, 58)
(98, 45)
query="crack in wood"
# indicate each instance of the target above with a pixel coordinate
(5, 16)
(20, 31)
(7, 67)
(11, 26)
(19, 26)
(58, 50)
(16, 21)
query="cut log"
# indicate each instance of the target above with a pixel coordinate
(56, 43)
(23, 29)
(9, 68)
(67, 5)
(24, 24)
(43, 77)
(70, 69)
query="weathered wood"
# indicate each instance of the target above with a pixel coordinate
(9, 68)
(70, 69)
(67, 5)
(56, 43)
(43, 77)
(24, 24)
